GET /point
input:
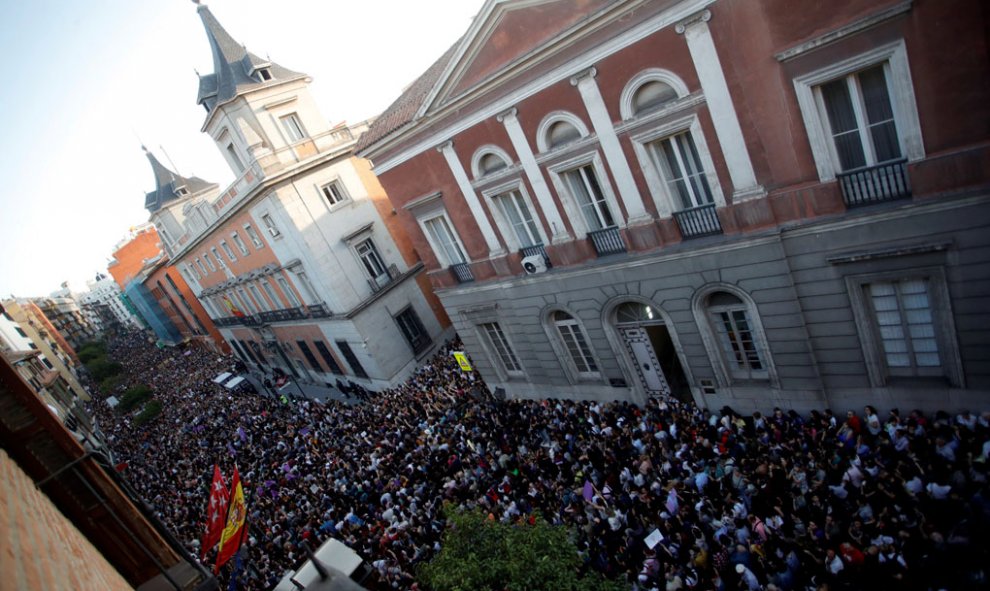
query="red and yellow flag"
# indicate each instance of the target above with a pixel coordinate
(216, 512)
(236, 528)
(234, 310)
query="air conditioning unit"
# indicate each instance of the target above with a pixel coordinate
(534, 264)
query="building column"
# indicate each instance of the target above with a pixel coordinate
(510, 119)
(706, 63)
(494, 248)
(609, 141)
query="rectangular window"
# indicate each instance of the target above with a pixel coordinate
(499, 344)
(516, 212)
(234, 158)
(270, 292)
(374, 266)
(577, 346)
(308, 290)
(738, 344)
(209, 262)
(270, 225)
(352, 360)
(239, 243)
(293, 127)
(442, 237)
(227, 250)
(216, 255)
(308, 354)
(20, 331)
(677, 159)
(328, 358)
(259, 298)
(253, 236)
(860, 119)
(259, 355)
(587, 192)
(902, 311)
(246, 302)
(333, 192)
(412, 329)
(290, 294)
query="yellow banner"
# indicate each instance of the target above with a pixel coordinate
(462, 360)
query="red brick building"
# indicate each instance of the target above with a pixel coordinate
(743, 203)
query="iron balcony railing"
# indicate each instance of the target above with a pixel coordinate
(283, 315)
(462, 272)
(536, 249)
(319, 311)
(698, 221)
(379, 283)
(607, 241)
(875, 184)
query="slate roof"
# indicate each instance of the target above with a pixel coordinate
(232, 66)
(401, 112)
(167, 184)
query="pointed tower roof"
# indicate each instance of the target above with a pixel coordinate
(235, 69)
(169, 186)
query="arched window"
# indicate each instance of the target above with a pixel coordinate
(561, 133)
(652, 95)
(635, 313)
(576, 343)
(490, 163)
(738, 336)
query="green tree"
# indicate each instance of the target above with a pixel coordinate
(110, 384)
(133, 398)
(479, 554)
(149, 412)
(102, 368)
(90, 351)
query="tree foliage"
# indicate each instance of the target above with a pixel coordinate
(133, 398)
(101, 368)
(91, 350)
(110, 384)
(479, 554)
(149, 412)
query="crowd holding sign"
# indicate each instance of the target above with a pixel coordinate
(662, 496)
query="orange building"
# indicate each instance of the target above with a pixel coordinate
(131, 254)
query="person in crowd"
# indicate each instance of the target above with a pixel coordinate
(778, 501)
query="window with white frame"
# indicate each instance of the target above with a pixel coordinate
(501, 347)
(860, 112)
(228, 250)
(309, 292)
(372, 261)
(290, 293)
(676, 158)
(906, 325)
(740, 345)
(262, 303)
(216, 255)
(293, 127)
(585, 188)
(239, 243)
(253, 236)
(270, 292)
(443, 240)
(561, 133)
(515, 210)
(245, 301)
(270, 225)
(576, 344)
(333, 192)
(209, 262)
(232, 156)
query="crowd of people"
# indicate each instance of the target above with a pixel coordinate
(665, 496)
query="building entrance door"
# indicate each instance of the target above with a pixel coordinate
(651, 350)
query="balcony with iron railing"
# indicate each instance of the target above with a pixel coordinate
(462, 272)
(875, 184)
(534, 250)
(607, 241)
(379, 283)
(698, 221)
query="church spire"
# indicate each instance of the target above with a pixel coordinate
(169, 186)
(235, 69)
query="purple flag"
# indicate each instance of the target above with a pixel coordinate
(589, 491)
(672, 504)
(304, 431)
(231, 449)
(241, 434)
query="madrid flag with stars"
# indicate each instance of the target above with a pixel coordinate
(216, 513)
(236, 527)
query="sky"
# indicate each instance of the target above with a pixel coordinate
(88, 82)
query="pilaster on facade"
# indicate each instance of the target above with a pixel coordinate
(712, 77)
(609, 141)
(510, 119)
(467, 191)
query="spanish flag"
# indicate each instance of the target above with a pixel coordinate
(234, 310)
(236, 529)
